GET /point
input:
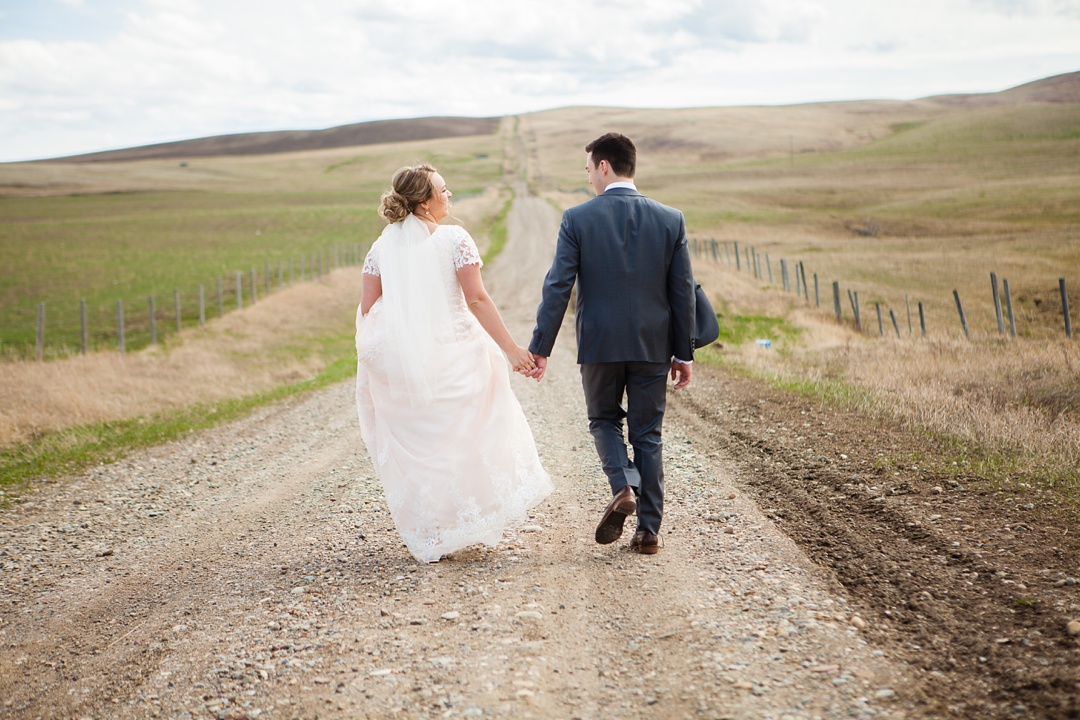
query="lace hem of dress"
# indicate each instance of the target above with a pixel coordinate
(473, 528)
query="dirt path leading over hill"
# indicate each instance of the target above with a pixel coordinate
(252, 571)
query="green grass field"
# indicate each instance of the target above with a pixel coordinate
(127, 245)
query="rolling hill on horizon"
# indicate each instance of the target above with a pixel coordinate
(374, 132)
(1057, 89)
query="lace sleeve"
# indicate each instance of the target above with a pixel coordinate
(371, 262)
(465, 252)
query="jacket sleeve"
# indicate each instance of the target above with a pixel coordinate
(557, 288)
(680, 282)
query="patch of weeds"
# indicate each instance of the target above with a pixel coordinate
(498, 231)
(900, 127)
(738, 329)
(830, 391)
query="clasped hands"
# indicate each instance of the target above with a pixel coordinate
(533, 366)
(528, 364)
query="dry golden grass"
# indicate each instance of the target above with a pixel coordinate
(1019, 399)
(276, 341)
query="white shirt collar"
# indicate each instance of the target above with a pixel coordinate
(627, 184)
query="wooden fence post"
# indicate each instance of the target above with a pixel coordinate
(738, 262)
(798, 282)
(254, 292)
(817, 293)
(880, 325)
(1008, 306)
(202, 307)
(805, 289)
(1065, 308)
(40, 347)
(997, 303)
(784, 275)
(239, 292)
(153, 324)
(960, 309)
(836, 301)
(854, 300)
(896, 325)
(120, 324)
(266, 277)
(220, 300)
(768, 264)
(922, 320)
(82, 326)
(176, 304)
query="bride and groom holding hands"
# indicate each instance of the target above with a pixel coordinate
(445, 432)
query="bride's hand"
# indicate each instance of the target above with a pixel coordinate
(521, 360)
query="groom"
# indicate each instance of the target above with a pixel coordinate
(635, 323)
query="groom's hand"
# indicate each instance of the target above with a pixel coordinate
(541, 366)
(680, 373)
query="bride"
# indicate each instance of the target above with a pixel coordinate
(444, 430)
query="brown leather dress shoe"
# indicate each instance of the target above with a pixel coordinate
(611, 524)
(645, 543)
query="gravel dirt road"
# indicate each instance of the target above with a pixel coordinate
(252, 571)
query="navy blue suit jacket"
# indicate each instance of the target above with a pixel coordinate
(628, 256)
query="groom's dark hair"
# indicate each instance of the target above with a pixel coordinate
(618, 150)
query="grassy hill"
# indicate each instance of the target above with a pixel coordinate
(288, 141)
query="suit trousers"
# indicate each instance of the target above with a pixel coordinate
(645, 387)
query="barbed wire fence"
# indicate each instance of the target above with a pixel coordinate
(132, 323)
(759, 265)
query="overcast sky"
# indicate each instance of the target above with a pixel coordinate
(86, 75)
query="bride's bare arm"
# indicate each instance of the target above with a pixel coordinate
(370, 291)
(483, 307)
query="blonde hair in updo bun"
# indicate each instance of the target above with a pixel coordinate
(410, 186)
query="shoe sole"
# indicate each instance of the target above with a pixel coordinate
(646, 549)
(611, 528)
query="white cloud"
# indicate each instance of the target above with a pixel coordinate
(157, 70)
